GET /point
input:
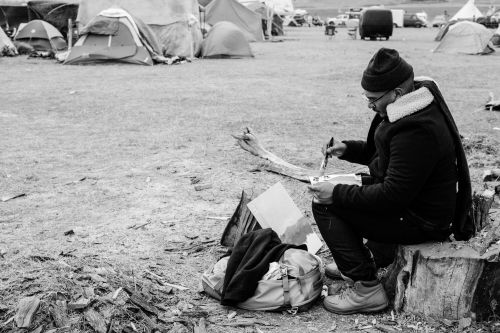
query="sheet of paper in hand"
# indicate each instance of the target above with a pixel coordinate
(275, 209)
(348, 178)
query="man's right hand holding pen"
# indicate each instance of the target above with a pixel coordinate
(333, 148)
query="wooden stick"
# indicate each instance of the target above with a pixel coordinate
(166, 283)
(249, 142)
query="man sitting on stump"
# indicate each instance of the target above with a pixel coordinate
(418, 189)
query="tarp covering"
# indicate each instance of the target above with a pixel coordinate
(159, 12)
(225, 40)
(232, 11)
(466, 37)
(468, 12)
(175, 22)
(56, 13)
(6, 46)
(12, 16)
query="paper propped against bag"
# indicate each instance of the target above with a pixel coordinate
(275, 209)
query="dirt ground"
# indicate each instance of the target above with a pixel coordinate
(113, 153)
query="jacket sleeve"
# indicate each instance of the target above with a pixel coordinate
(362, 152)
(413, 155)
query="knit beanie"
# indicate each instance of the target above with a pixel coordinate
(385, 71)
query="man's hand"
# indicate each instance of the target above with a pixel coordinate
(322, 192)
(333, 148)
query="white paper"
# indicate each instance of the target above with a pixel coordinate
(275, 209)
(347, 178)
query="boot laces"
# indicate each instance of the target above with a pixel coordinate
(347, 292)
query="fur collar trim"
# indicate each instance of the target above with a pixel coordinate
(409, 104)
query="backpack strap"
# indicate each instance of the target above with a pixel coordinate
(286, 290)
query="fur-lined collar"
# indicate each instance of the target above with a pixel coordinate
(409, 104)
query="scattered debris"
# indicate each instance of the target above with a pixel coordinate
(26, 310)
(221, 218)
(69, 233)
(202, 187)
(492, 104)
(231, 315)
(136, 227)
(181, 288)
(76, 181)
(5, 199)
(195, 180)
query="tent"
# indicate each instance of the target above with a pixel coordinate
(56, 13)
(468, 12)
(174, 22)
(466, 37)
(233, 11)
(6, 46)
(270, 20)
(495, 40)
(225, 40)
(443, 30)
(41, 35)
(114, 35)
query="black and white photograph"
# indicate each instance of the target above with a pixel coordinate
(253, 166)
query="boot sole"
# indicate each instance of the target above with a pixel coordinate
(379, 308)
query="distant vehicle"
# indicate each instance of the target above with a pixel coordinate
(398, 16)
(439, 21)
(339, 19)
(412, 20)
(375, 23)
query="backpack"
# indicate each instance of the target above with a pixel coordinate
(299, 285)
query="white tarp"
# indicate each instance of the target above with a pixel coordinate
(281, 7)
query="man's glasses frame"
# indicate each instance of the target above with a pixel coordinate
(371, 101)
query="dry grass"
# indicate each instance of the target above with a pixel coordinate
(139, 134)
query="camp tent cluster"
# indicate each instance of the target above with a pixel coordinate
(147, 32)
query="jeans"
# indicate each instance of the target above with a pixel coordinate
(343, 231)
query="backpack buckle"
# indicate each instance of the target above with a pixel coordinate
(293, 310)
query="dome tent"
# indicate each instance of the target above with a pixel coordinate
(114, 35)
(225, 40)
(42, 35)
(466, 37)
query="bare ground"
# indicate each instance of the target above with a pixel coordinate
(102, 150)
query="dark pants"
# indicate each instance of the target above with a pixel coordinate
(344, 230)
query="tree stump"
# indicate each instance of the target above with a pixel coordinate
(445, 281)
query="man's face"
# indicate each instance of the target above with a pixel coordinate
(378, 101)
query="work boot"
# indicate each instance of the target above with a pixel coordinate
(359, 297)
(332, 271)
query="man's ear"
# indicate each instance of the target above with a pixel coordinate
(399, 92)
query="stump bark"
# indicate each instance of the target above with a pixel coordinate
(445, 281)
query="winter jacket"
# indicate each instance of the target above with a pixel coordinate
(412, 158)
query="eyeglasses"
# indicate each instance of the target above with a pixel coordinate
(371, 101)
